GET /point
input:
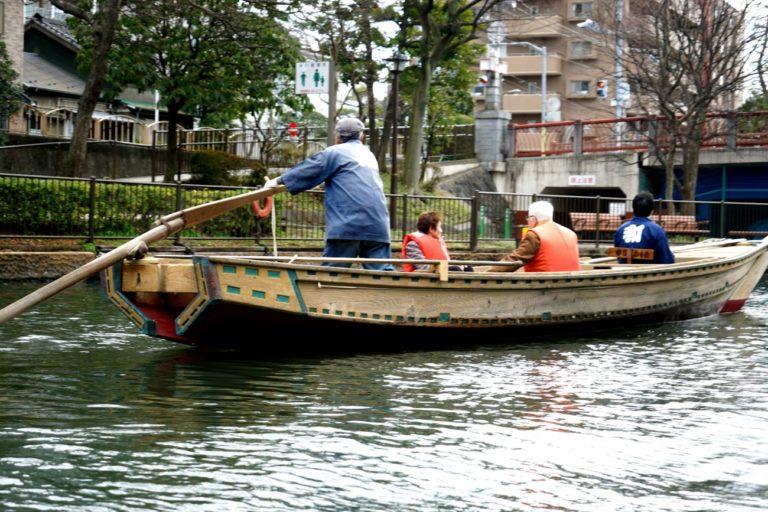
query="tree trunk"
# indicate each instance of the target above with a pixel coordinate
(386, 130)
(690, 175)
(419, 104)
(369, 80)
(669, 171)
(171, 149)
(373, 136)
(691, 150)
(103, 35)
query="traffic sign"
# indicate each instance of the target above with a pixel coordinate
(293, 129)
(312, 77)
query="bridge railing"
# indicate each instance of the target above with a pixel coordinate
(90, 209)
(729, 130)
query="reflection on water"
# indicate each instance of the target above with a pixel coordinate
(94, 416)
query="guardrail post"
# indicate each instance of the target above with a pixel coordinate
(154, 155)
(179, 207)
(473, 222)
(404, 220)
(722, 219)
(597, 222)
(578, 138)
(732, 122)
(91, 208)
(481, 220)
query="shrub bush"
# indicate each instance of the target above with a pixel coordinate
(214, 168)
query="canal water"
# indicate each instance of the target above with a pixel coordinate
(96, 417)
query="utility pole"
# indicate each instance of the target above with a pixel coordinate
(619, 66)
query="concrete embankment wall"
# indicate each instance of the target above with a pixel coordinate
(15, 266)
(104, 160)
(533, 175)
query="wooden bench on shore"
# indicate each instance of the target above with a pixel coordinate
(587, 222)
(681, 225)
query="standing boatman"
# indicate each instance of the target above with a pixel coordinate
(356, 216)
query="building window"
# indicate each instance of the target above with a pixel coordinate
(581, 10)
(581, 49)
(533, 88)
(580, 87)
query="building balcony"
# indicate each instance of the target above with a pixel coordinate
(524, 103)
(535, 27)
(582, 50)
(530, 65)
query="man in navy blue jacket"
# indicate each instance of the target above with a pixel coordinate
(356, 216)
(640, 232)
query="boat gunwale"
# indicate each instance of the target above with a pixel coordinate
(635, 270)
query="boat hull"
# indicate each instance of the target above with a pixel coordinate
(225, 301)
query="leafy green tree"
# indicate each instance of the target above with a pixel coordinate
(450, 101)
(436, 30)
(9, 88)
(348, 33)
(219, 59)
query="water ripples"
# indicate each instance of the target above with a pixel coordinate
(94, 416)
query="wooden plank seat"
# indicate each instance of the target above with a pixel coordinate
(586, 222)
(680, 225)
(629, 254)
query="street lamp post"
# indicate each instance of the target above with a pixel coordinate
(398, 62)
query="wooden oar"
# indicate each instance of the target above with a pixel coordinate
(165, 226)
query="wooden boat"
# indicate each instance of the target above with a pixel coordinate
(220, 299)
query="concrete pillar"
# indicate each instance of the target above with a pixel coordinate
(490, 131)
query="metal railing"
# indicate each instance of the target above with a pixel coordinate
(94, 208)
(729, 130)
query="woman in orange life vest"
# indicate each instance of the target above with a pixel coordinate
(547, 246)
(426, 243)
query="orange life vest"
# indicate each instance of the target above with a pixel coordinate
(559, 249)
(431, 248)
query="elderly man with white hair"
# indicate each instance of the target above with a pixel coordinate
(547, 246)
(356, 216)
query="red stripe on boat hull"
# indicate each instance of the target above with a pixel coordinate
(733, 306)
(165, 326)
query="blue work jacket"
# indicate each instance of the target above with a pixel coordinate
(643, 233)
(355, 206)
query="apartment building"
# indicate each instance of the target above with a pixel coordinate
(579, 65)
(581, 58)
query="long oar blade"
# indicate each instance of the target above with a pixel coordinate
(166, 226)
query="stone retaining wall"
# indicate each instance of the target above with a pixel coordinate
(40, 265)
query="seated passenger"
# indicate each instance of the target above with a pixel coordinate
(426, 243)
(546, 247)
(640, 232)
